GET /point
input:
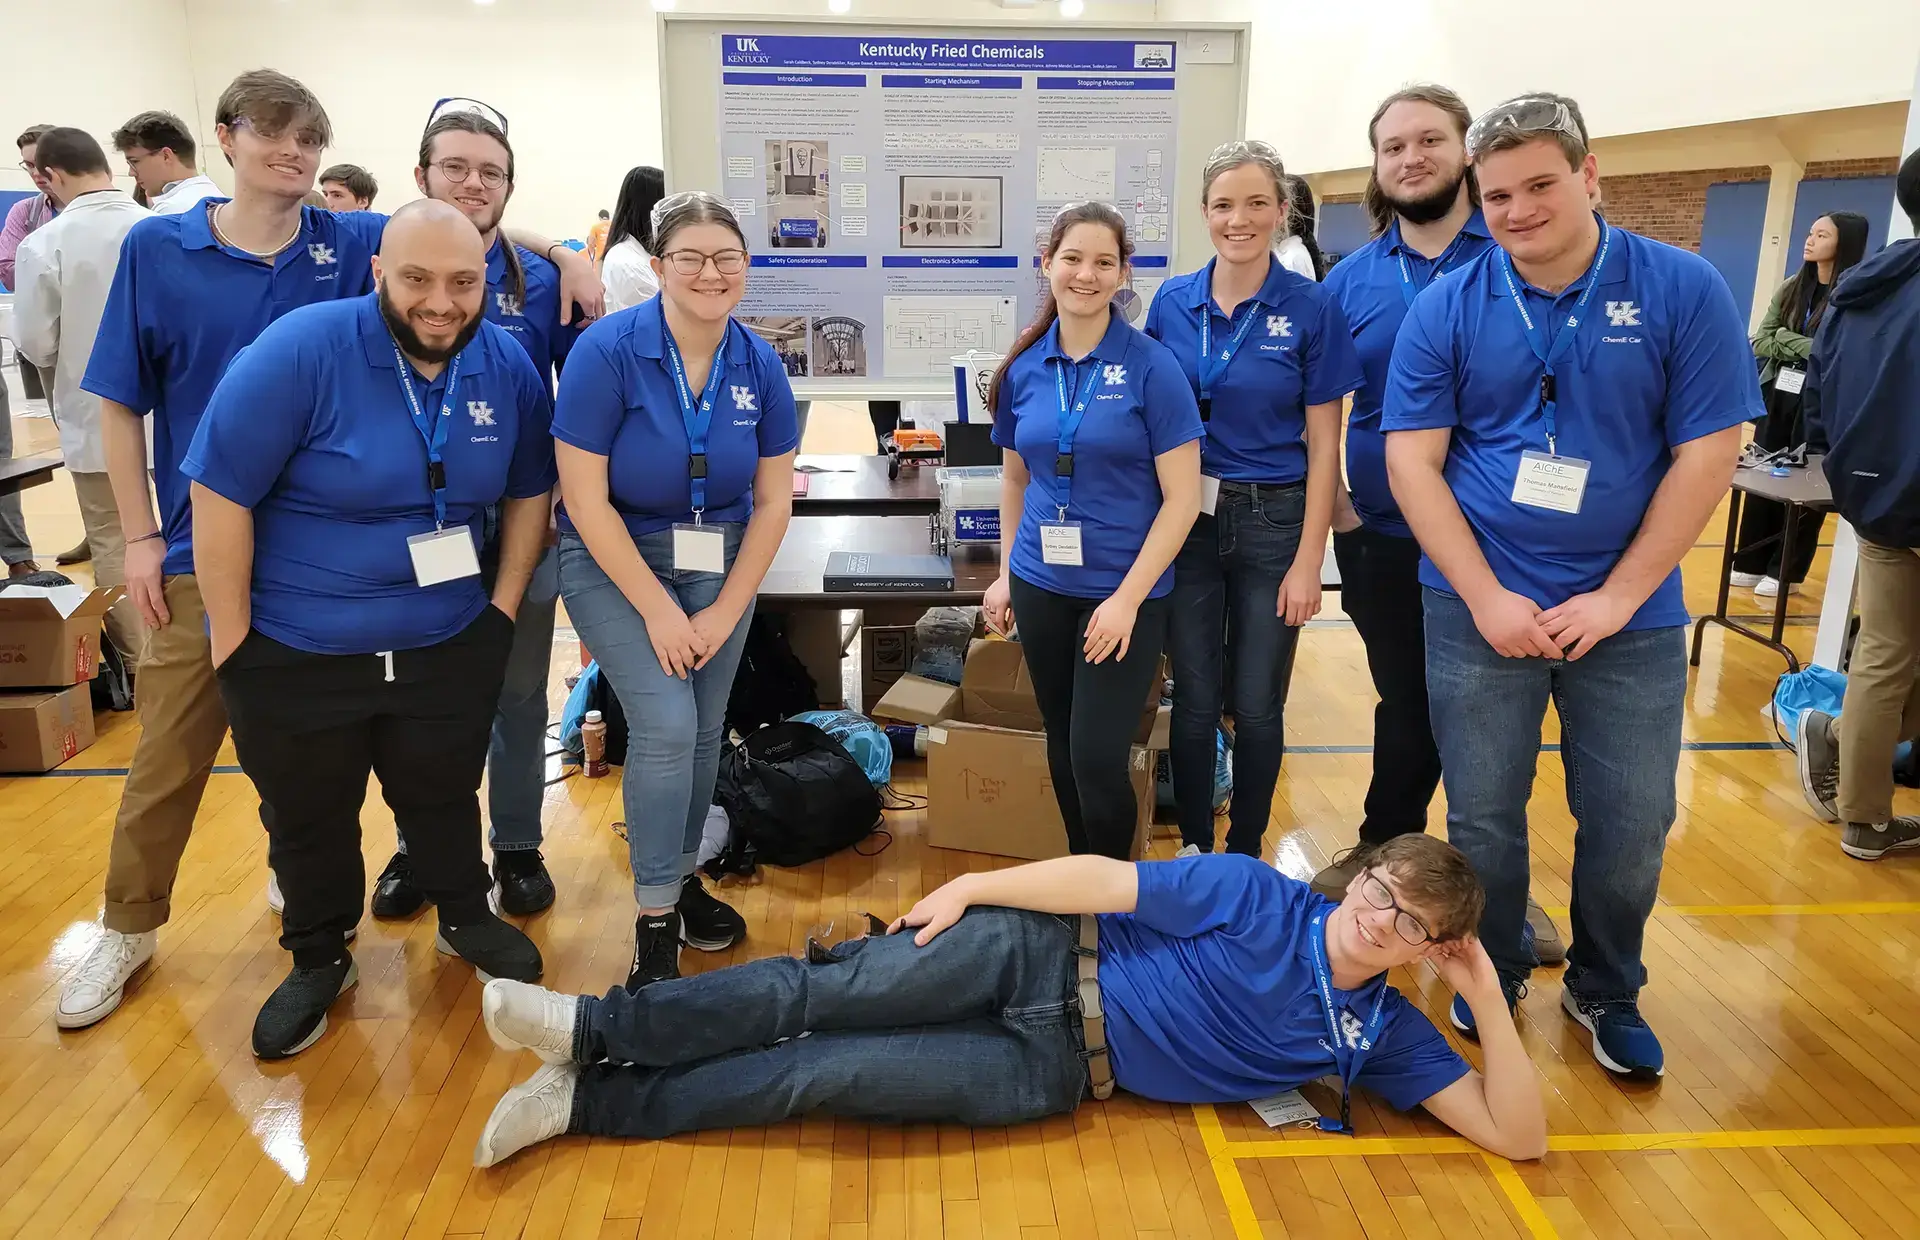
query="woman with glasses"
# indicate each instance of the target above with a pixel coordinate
(1268, 354)
(675, 438)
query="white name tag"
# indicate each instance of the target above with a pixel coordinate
(1209, 494)
(1554, 482)
(444, 555)
(699, 549)
(1060, 544)
(1790, 379)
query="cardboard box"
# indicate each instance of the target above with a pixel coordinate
(39, 731)
(916, 699)
(989, 788)
(50, 635)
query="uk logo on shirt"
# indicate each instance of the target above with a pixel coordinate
(1279, 325)
(510, 306)
(1115, 376)
(1623, 314)
(742, 396)
(321, 254)
(481, 412)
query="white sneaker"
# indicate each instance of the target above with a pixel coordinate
(532, 1111)
(1769, 587)
(98, 985)
(1191, 850)
(520, 1015)
(1746, 581)
(277, 903)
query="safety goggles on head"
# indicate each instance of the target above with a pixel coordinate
(1527, 116)
(673, 202)
(459, 103)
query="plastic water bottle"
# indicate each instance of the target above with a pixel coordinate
(593, 738)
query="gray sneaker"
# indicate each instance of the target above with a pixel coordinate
(1816, 752)
(1870, 841)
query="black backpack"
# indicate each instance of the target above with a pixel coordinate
(793, 795)
(771, 683)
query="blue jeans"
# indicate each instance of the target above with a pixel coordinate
(1620, 710)
(674, 727)
(517, 752)
(1225, 619)
(982, 1026)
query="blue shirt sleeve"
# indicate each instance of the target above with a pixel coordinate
(257, 417)
(1711, 380)
(1152, 326)
(121, 368)
(1173, 415)
(1196, 895)
(364, 226)
(1004, 418)
(592, 401)
(779, 428)
(531, 472)
(1332, 365)
(1411, 1062)
(1421, 383)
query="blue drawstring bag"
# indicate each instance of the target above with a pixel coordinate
(1810, 688)
(859, 736)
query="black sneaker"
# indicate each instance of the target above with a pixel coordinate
(656, 950)
(706, 923)
(493, 947)
(295, 1014)
(525, 885)
(395, 894)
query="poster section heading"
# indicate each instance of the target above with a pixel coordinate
(747, 51)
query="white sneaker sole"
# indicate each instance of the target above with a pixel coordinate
(492, 999)
(1568, 1005)
(1874, 854)
(103, 1009)
(320, 1029)
(1804, 769)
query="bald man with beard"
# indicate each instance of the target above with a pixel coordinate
(339, 479)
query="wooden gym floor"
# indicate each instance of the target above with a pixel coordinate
(1782, 983)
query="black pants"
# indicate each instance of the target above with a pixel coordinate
(309, 728)
(1092, 711)
(1380, 591)
(886, 418)
(1763, 520)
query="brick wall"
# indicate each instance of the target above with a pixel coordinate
(1668, 206)
(1835, 169)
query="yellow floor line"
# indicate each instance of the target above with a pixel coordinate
(1327, 1146)
(1522, 1198)
(1226, 1173)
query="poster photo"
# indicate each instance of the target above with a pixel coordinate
(798, 194)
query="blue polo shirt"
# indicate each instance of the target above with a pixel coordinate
(1296, 353)
(181, 305)
(1375, 285)
(534, 321)
(1209, 991)
(311, 430)
(618, 400)
(1661, 359)
(1142, 407)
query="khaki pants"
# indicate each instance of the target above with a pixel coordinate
(1883, 694)
(182, 722)
(109, 547)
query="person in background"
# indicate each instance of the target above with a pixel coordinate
(339, 479)
(1835, 243)
(1563, 414)
(1299, 249)
(597, 238)
(65, 270)
(349, 187)
(1862, 390)
(466, 161)
(1217, 979)
(626, 270)
(1424, 205)
(675, 439)
(16, 548)
(1268, 354)
(160, 156)
(1100, 484)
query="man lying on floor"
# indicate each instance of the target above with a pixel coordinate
(1209, 979)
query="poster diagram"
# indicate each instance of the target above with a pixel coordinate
(923, 333)
(798, 198)
(1075, 174)
(949, 213)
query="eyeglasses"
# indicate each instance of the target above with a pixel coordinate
(1378, 894)
(27, 166)
(458, 103)
(1524, 116)
(459, 170)
(309, 139)
(693, 262)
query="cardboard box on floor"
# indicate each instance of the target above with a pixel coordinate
(50, 635)
(989, 789)
(39, 731)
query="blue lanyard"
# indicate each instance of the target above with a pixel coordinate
(1070, 419)
(698, 420)
(1409, 287)
(1210, 371)
(432, 430)
(1550, 355)
(1323, 979)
